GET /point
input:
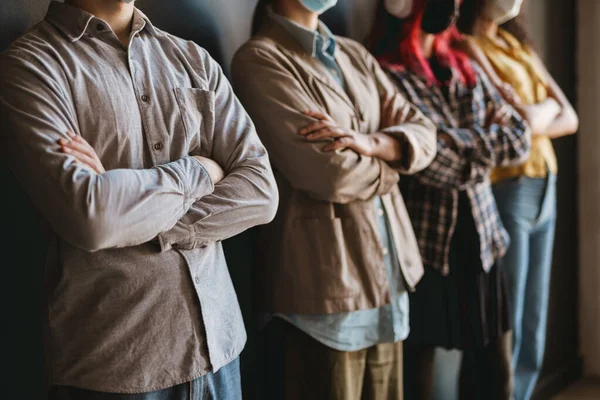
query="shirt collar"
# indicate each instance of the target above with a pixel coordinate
(74, 22)
(309, 40)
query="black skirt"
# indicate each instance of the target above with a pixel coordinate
(466, 309)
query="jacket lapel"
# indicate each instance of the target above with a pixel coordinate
(289, 45)
(347, 68)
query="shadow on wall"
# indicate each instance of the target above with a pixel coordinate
(23, 251)
(221, 27)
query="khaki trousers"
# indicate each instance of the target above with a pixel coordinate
(312, 371)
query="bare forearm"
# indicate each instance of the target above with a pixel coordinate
(565, 124)
(386, 147)
(541, 116)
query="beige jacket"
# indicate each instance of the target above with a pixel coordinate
(323, 253)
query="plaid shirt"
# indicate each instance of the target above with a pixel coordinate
(480, 142)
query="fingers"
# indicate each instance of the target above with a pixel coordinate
(83, 159)
(342, 143)
(82, 151)
(318, 115)
(505, 119)
(502, 116)
(314, 127)
(326, 134)
(79, 144)
(75, 147)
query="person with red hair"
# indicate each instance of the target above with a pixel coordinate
(460, 303)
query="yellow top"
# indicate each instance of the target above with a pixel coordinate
(515, 65)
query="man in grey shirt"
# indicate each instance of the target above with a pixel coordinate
(141, 160)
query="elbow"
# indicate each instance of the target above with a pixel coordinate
(422, 152)
(521, 156)
(428, 154)
(93, 235)
(272, 203)
(572, 122)
(266, 195)
(93, 227)
(520, 153)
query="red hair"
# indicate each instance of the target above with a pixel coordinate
(396, 45)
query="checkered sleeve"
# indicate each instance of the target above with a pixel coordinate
(451, 167)
(509, 140)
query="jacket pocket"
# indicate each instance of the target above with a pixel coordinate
(197, 109)
(319, 252)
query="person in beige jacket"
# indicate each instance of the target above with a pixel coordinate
(336, 265)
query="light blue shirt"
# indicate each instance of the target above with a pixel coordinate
(360, 329)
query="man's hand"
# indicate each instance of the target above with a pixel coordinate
(214, 170)
(83, 152)
(326, 128)
(85, 155)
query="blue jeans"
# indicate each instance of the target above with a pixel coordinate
(528, 210)
(225, 384)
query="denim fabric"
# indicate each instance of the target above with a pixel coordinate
(528, 210)
(225, 384)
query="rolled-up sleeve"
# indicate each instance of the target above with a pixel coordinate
(119, 208)
(343, 176)
(404, 121)
(509, 142)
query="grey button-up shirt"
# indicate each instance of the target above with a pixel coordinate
(124, 313)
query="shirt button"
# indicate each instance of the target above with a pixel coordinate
(385, 251)
(380, 212)
(158, 146)
(197, 280)
(145, 98)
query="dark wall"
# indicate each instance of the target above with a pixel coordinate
(22, 247)
(553, 27)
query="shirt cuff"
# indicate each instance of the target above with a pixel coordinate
(198, 182)
(173, 239)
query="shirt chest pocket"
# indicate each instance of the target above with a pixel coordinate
(197, 111)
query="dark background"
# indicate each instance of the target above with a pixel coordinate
(222, 26)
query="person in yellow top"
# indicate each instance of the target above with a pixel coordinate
(526, 194)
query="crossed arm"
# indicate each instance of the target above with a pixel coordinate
(124, 207)
(298, 134)
(553, 117)
(466, 154)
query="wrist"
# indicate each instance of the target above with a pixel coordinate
(385, 147)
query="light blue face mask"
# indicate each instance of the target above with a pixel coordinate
(318, 6)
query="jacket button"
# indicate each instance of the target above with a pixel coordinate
(158, 146)
(145, 98)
